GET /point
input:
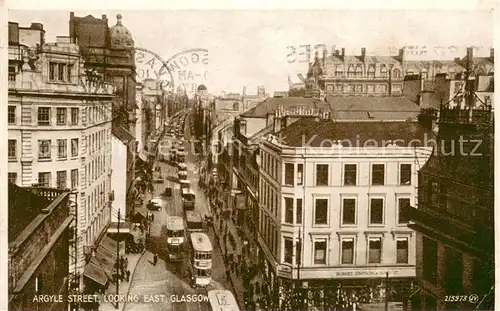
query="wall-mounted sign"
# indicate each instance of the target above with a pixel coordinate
(284, 271)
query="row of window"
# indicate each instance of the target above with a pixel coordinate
(45, 179)
(268, 197)
(357, 88)
(358, 70)
(270, 232)
(95, 228)
(60, 72)
(376, 211)
(270, 164)
(45, 149)
(96, 200)
(97, 141)
(294, 174)
(44, 115)
(349, 211)
(347, 251)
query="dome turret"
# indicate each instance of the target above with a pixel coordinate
(202, 87)
(119, 36)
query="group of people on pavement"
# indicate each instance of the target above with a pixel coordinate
(122, 273)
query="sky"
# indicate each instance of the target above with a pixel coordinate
(251, 47)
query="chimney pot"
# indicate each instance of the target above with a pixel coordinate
(363, 52)
(343, 52)
(492, 54)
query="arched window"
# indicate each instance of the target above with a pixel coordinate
(383, 71)
(371, 71)
(359, 70)
(396, 73)
(350, 71)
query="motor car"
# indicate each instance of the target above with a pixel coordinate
(156, 204)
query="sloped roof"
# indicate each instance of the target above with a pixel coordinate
(122, 134)
(23, 206)
(271, 104)
(372, 108)
(354, 134)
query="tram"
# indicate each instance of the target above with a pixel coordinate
(175, 237)
(201, 259)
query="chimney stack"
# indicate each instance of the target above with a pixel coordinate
(492, 54)
(325, 55)
(363, 54)
(343, 53)
(316, 56)
(401, 55)
(104, 18)
(470, 58)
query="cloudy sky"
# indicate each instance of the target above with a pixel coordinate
(250, 47)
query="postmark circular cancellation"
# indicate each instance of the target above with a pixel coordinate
(186, 69)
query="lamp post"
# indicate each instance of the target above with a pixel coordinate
(118, 260)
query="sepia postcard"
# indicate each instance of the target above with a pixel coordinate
(258, 157)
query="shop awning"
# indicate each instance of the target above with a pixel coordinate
(110, 244)
(96, 274)
(105, 264)
(124, 227)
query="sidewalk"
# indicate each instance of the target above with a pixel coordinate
(226, 247)
(133, 260)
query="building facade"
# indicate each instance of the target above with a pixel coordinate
(454, 216)
(330, 211)
(109, 52)
(60, 131)
(339, 74)
(39, 243)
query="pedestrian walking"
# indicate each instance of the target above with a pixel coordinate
(155, 259)
(128, 275)
(152, 217)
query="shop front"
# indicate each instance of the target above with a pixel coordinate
(348, 289)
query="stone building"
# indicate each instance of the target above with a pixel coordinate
(339, 74)
(454, 216)
(109, 51)
(39, 238)
(59, 129)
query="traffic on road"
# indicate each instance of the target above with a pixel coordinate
(180, 233)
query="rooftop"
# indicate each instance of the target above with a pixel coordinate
(270, 105)
(309, 132)
(372, 108)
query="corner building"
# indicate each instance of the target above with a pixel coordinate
(59, 132)
(330, 218)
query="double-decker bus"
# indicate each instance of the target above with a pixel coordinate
(222, 300)
(175, 237)
(194, 223)
(201, 259)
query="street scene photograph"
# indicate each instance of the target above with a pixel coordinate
(227, 160)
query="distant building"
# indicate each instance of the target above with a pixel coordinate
(339, 74)
(330, 198)
(39, 242)
(449, 88)
(59, 134)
